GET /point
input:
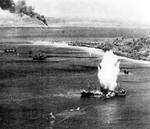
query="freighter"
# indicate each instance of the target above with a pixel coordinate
(108, 71)
(99, 94)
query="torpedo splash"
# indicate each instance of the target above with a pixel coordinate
(108, 71)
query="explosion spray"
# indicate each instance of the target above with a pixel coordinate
(108, 71)
(22, 9)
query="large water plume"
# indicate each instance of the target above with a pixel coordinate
(108, 71)
(22, 9)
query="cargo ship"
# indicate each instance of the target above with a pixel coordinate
(110, 94)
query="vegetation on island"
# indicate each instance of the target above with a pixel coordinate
(132, 48)
(135, 48)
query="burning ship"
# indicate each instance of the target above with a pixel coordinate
(108, 71)
(99, 94)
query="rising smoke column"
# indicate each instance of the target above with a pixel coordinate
(108, 71)
(22, 9)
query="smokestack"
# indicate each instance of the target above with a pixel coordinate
(22, 9)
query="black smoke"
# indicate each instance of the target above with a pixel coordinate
(22, 9)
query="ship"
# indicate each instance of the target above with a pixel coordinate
(99, 94)
(39, 57)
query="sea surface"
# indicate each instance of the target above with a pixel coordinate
(31, 90)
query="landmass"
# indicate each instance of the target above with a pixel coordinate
(134, 48)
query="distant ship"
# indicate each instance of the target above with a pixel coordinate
(39, 57)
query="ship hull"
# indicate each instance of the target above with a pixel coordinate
(88, 94)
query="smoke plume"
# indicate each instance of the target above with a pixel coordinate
(108, 71)
(22, 9)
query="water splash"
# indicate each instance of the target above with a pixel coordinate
(108, 71)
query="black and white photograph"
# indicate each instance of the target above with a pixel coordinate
(74, 64)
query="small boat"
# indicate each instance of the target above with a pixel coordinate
(126, 71)
(39, 58)
(120, 93)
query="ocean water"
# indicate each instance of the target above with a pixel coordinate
(16, 34)
(30, 90)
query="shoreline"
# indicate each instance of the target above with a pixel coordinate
(100, 52)
(142, 62)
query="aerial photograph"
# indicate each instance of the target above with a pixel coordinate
(74, 64)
